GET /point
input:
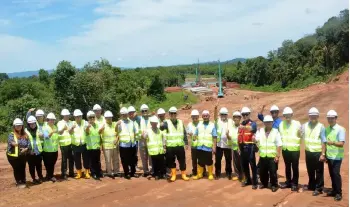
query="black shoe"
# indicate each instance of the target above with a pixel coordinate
(71, 175)
(263, 186)
(111, 176)
(36, 182)
(145, 175)
(254, 187)
(286, 185)
(338, 197)
(217, 177)
(95, 177)
(156, 178)
(331, 193)
(128, 177)
(294, 188)
(64, 177)
(274, 188)
(316, 193)
(244, 184)
(229, 176)
(53, 179)
(135, 176)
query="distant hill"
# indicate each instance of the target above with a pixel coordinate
(236, 60)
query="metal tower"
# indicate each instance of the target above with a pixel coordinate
(220, 93)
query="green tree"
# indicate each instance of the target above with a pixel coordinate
(44, 76)
(156, 89)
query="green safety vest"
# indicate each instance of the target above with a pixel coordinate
(51, 143)
(100, 121)
(15, 154)
(40, 129)
(38, 141)
(221, 127)
(333, 152)
(93, 140)
(175, 136)
(79, 133)
(126, 134)
(155, 142)
(108, 136)
(193, 129)
(289, 134)
(205, 137)
(65, 138)
(233, 131)
(137, 131)
(313, 141)
(267, 145)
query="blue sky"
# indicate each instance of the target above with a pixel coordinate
(38, 34)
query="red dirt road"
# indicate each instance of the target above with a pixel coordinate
(142, 192)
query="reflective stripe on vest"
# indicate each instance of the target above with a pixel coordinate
(93, 139)
(245, 135)
(79, 133)
(109, 136)
(267, 145)
(313, 141)
(126, 134)
(38, 142)
(175, 136)
(15, 154)
(205, 137)
(333, 152)
(289, 134)
(51, 143)
(65, 138)
(193, 128)
(222, 127)
(233, 131)
(155, 142)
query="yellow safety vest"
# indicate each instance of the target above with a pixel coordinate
(267, 145)
(193, 129)
(93, 139)
(155, 142)
(289, 134)
(38, 142)
(126, 134)
(175, 136)
(334, 152)
(65, 138)
(205, 137)
(313, 141)
(51, 143)
(108, 136)
(15, 154)
(233, 132)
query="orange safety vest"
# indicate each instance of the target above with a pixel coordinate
(245, 136)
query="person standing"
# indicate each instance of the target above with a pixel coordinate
(274, 111)
(18, 145)
(65, 142)
(98, 114)
(191, 130)
(40, 120)
(270, 143)
(144, 125)
(134, 118)
(333, 152)
(313, 132)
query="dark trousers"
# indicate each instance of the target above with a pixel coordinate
(35, 163)
(268, 170)
(129, 159)
(194, 160)
(19, 168)
(248, 158)
(205, 158)
(334, 172)
(95, 161)
(227, 152)
(291, 160)
(158, 164)
(67, 155)
(79, 153)
(237, 164)
(50, 159)
(315, 170)
(173, 153)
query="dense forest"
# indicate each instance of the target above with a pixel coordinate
(312, 58)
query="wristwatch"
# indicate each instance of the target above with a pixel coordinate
(323, 154)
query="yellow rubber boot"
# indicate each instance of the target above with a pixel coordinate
(199, 173)
(87, 174)
(234, 178)
(173, 174)
(184, 176)
(210, 172)
(78, 174)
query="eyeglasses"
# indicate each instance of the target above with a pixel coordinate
(91, 117)
(274, 112)
(143, 111)
(245, 114)
(172, 113)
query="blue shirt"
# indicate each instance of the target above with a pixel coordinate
(276, 122)
(129, 144)
(35, 139)
(213, 133)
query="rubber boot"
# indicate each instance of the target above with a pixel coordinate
(78, 174)
(173, 174)
(199, 173)
(87, 174)
(210, 172)
(184, 176)
(234, 178)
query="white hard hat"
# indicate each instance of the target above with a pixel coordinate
(161, 111)
(236, 113)
(245, 110)
(123, 110)
(195, 112)
(268, 118)
(51, 116)
(108, 114)
(65, 112)
(144, 107)
(153, 119)
(31, 120)
(223, 110)
(90, 113)
(314, 111)
(39, 112)
(17, 122)
(131, 109)
(77, 112)
(96, 107)
(173, 109)
(205, 112)
(287, 110)
(274, 108)
(332, 113)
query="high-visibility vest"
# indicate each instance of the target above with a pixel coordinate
(192, 127)
(222, 127)
(126, 134)
(108, 136)
(267, 145)
(155, 142)
(233, 132)
(174, 136)
(143, 125)
(334, 152)
(51, 143)
(79, 133)
(65, 138)
(289, 134)
(93, 139)
(14, 154)
(138, 132)
(40, 129)
(205, 137)
(245, 135)
(312, 139)
(38, 142)
(100, 121)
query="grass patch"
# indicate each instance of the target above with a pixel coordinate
(202, 76)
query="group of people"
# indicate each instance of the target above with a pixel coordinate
(162, 141)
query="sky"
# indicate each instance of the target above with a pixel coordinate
(38, 34)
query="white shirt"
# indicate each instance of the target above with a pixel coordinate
(223, 143)
(278, 140)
